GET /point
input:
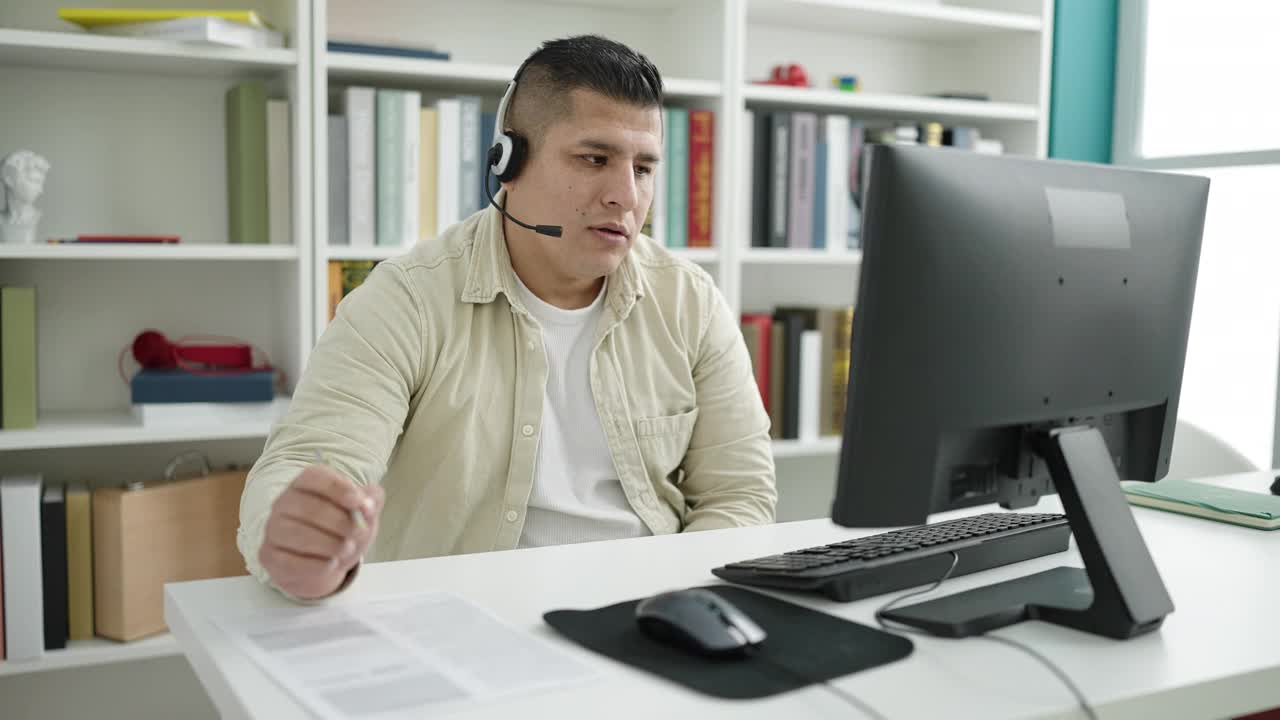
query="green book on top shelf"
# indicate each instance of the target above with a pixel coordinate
(1239, 507)
(246, 105)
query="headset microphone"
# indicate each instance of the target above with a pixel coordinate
(507, 156)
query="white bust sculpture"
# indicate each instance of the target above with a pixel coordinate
(22, 176)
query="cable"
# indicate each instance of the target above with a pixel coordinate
(848, 697)
(955, 560)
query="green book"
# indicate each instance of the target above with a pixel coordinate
(1239, 507)
(247, 163)
(390, 166)
(678, 179)
(18, 357)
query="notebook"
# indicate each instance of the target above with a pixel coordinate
(1239, 507)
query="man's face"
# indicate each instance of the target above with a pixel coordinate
(593, 173)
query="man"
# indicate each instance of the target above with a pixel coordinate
(509, 389)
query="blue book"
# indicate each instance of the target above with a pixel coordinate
(486, 140)
(180, 386)
(389, 50)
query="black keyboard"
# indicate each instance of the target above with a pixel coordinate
(899, 559)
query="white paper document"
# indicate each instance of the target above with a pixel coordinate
(399, 657)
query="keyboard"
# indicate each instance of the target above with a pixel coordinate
(900, 559)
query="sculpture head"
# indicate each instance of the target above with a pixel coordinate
(22, 174)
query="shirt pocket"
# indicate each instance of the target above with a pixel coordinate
(664, 440)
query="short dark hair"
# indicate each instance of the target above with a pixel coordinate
(588, 62)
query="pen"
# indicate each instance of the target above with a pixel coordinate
(356, 516)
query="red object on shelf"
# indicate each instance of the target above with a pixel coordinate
(793, 75)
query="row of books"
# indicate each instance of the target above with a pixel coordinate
(400, 172)
(806, 173)
(800, 357)
(17, 358)
(259, 189)
(46, 546)
(345, 276)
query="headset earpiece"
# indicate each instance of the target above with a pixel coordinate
(512, 151)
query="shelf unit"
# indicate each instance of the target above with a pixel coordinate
(109, 93)
(95, 652)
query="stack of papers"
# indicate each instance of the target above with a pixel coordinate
(409, 656)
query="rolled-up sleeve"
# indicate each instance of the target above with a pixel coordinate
(729, 472)
(350, 404)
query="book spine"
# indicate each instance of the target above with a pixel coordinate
(839, 369)
(761, 164)
(361, 152)
(448, 155)
(781, 143)
(486, 142)
(427, 174)
(246, 109)
(20, 540)
(338, 192)
(469, 162)
(837, 191)
(53, 550)
(390, 168)
(79, 564)
(335, 287)
(810, 384)
(658, 229)
(744, 190)
(800, 217)
(678, 181)
(701, 144)
(818, 222)
(18, 381)
(411, 135)
(777, 377)
(279, 161)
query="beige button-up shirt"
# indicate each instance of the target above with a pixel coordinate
(430, 380)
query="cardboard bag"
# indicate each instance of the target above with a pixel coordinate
(147, 535)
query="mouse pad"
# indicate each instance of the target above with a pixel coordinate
(803, 646)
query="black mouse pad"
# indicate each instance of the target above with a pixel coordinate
(803, 646)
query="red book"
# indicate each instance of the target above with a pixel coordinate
(702, 127)
(762, 351)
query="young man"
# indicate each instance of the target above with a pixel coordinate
(499, 388)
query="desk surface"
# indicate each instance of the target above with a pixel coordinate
(1216, 655)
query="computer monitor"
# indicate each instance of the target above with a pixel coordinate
(1020, 329)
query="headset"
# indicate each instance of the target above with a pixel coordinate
(508, 154)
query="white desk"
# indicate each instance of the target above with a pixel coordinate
(1217, 655)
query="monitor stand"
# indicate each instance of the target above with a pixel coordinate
(1118, 594)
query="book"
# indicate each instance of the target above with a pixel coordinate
(486, 141)
(151, 385)
(203, 30)
(246, 109)
(23, 574)
(780, 149)
(448, 161)
(804, 131)
(279, 165)
(99, 17)
(53, 565)
(338, 195)
(1238, 507)
(187, 414)
(810, 411)
(345, 276)
(18, 380)
(761, 177)
(358, 107)
(658, 207)
(837, 185)
(678, 180)
(404, 51)
(79, 563)
(762, 353)
(469, 160)
(428, 170)
(390, 161)
(701, 166)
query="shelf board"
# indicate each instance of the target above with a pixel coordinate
(789, 256)
(348, 252)
(191, 251)
(828, 445)
(890, 18)
(68, 429)
(366, 68)
(886, 105)
(85, 51)
(98, 651)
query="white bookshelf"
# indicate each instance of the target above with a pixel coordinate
(136, 142)
(94, 652)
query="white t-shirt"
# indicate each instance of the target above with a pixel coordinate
(576, 495)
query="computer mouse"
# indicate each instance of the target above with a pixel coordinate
(699, 621)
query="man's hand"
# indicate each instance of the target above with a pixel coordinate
(311, 540)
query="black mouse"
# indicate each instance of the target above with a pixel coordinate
(1275, 486)
(699, 621)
